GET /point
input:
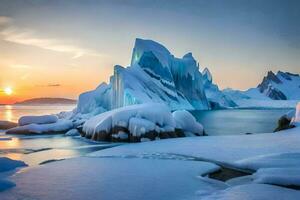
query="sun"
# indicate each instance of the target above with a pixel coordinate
(8, 91)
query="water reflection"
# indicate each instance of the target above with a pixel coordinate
(8, 116)
(34, 150)
(14, 112)
(13, 143)
(235, 121)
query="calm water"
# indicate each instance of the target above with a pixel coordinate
(14, 112)
(34, 150)
(37, 149)
(239, 121)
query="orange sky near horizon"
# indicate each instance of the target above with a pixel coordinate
(64, 83)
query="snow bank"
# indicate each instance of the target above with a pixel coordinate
(7, 164)
(258, 103)
(278, 176)
(187, 122)
(43, 119)
(59, 126)
(276, 160)
(143, 120)
(225, 149)
(254, 192)
(112, 178)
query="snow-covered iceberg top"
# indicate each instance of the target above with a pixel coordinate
(44, 119)
(136, 122)
(41, 124)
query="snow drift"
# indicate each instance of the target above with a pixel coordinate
(137, 122)
(41, 124)
(45, 119)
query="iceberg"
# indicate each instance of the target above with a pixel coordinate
(154, 76)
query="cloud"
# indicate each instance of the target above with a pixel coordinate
(50, 85)
(54, 85)
(11, 33)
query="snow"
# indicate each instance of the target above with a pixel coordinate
(167, 169)
(282, 86)
(187, 122)
(270, 160)
(224, 149)
(72, 132)
(138, 119)
(43, 119)
(257, 103)
(278, 176)
(290, 87)
(7, 164)
(138, 126)
(113, 178)
(254, 192)
(59, 126)
(91, 100)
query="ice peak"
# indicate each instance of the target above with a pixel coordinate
(206, 74)
(188, 56)
(142, 45)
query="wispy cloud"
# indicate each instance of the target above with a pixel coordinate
(11, 33)
(54, 85)
(50, 85)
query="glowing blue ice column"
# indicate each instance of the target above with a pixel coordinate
(118, 88)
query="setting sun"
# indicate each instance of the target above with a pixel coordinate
(8, 91)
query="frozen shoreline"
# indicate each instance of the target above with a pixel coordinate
(173, 158)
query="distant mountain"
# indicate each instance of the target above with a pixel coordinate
(282, 87)
(46, 100)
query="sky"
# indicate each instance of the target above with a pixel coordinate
(61, 48)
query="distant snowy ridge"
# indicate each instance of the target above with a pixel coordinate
(275, 91)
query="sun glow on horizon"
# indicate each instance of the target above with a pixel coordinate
(8, 90)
